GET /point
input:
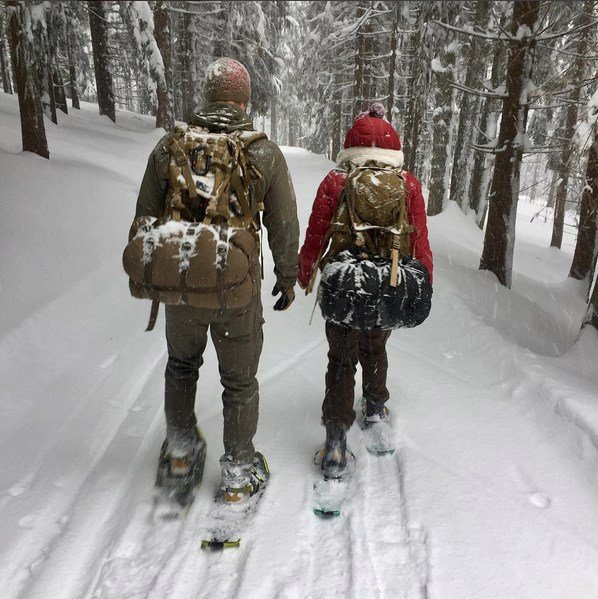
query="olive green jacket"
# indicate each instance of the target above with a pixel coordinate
(274, 189)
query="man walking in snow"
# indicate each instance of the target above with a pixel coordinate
(236, 333)
(372, 156)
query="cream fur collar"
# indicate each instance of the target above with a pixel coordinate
(360, 155)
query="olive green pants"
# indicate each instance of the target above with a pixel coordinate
(237, 336)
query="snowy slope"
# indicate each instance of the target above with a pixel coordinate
(492, 494)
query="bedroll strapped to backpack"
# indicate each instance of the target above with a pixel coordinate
(369, 279)
(204, 251)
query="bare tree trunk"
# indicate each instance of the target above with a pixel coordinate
(416, 88)
(499, 241)
(577, 75)
(70, 49)
(99, 42)
(478, 188)
(47, 86)
(6, 83)
(470, 105)
(439, 180)
(358, 79)
(165, 113)
(33, 131)
(392, 64)
(336, 117)
(368, 86)
(552, 192)
(592, 312)
(585, 249)
(188, 67)
(274, 118)
(59, 88)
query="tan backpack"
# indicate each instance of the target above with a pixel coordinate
(372, 215)
(204, 251)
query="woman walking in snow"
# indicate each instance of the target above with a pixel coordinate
(384, 258)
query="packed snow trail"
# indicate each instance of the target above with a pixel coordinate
(491, 493)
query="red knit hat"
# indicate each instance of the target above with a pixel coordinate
(371, 129)
(227, 80)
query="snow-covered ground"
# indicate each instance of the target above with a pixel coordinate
(493, 493)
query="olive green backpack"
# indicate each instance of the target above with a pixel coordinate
(205, 250)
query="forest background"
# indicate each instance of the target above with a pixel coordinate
(494, 100)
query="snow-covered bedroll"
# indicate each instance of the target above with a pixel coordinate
(492, 493)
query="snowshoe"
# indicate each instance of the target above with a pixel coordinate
(241, 490)
(336, 462)
(334, 454)
(240, 482)
(180, 469)
(375, 422)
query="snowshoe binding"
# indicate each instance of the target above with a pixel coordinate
(240, 482)
(375, 422)
(241, 489)
(335, 461)
(334, 455)
(180, 468)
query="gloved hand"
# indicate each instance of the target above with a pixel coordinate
(287, 297)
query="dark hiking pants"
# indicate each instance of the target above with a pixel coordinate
(237, 337)
(346, 347)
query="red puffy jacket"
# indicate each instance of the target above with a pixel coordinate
(371, 137)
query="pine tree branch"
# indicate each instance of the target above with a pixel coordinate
(475, 92)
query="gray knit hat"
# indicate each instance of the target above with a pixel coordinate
(227, 80)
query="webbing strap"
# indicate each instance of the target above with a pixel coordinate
(183, 162)
(153, 315)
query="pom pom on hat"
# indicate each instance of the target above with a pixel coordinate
(377, 109)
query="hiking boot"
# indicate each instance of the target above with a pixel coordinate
(182, 459)
(335, 454)
(240, 481)
(373, 412)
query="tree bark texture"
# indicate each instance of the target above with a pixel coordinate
(392, 65)
(6, 82)
(499, 240)
(274, 118)
(101, 60)
(470, 105)
(479, 181)
(33, 131)
(188, 67)
(359, 67)
(585, 248)
(577, 75)
(70, 43)
(592, 312)
(439, 180)
(165, 113)
(59, 88)
(336, 118)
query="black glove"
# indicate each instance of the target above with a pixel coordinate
(287, 297)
